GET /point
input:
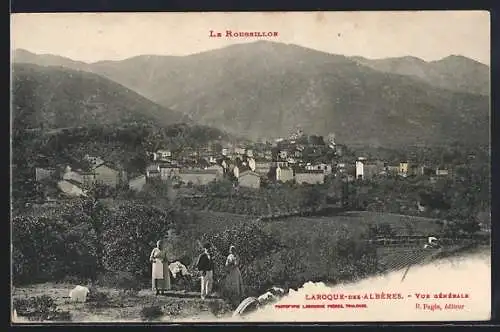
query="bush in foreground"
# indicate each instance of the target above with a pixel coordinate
(266, 262)
(251, 243)
(151, 313)
(80, 239)
(50, 248)
(40, 308)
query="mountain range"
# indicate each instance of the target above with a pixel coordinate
(267, 89)
(454, 72)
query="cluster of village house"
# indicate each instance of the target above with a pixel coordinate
(286, 162)
(248, 171)
(366, 169)
(76, 182)
(243, 166)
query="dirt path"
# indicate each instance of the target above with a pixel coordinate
(117, 306)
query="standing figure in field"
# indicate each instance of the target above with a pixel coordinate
(206, 266)
(233, 287)
(160, 274)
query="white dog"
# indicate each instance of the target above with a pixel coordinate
(79, 294)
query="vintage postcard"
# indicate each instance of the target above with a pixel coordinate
(251, 167)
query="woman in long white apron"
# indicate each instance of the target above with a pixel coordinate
(157, 268)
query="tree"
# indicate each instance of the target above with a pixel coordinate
(101, 190)
(131, 233)
(97, 213)
(138, 163)
(312, 196)
(159, 193)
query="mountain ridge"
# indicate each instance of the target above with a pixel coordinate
(22, 50)
(453, 72)
(447, 72)
(264, 89)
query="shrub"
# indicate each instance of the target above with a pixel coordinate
(174, 308)
(98, 298)
(133, 230)
(265, 262)
(346, 259)
(84, 237)
(218, 308)
(279, 268)
(151, 313)
(187, 283)
(251, 243)
(50, 248)
(40, 308)
(75, 280)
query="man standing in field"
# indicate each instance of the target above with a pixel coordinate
(206, 266)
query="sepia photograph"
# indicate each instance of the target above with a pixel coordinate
(250, 167)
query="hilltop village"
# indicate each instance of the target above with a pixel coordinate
(299, 159)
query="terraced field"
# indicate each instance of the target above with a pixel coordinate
(351, 223)
(212, 222)
(394, 259)
(398, 258)
(252, 205)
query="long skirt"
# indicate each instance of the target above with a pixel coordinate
(233, 285)
(160, 276)
(164, 283)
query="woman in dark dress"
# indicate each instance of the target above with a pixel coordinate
(234, 282)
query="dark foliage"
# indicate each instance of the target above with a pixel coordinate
(251, 242)
(46, 249)
(87, 239)
(123, 147)
(462, 196)
(151, 313)
(265, 262)
(40, 308)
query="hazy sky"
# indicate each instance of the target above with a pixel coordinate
(430, 35)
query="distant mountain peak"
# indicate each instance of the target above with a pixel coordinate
(412, 58)
(456, 58)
